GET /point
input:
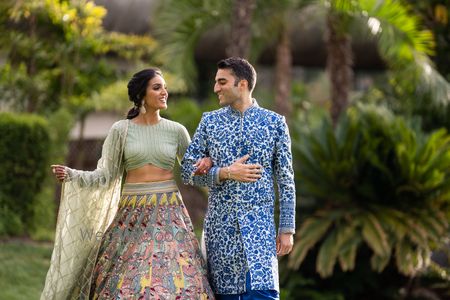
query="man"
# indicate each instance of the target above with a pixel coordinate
(249, 146)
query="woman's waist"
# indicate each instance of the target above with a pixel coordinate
(148, 173)
(152, 187)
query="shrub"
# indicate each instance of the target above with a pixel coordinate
(43, 227)
(375, 182)
(24, 147)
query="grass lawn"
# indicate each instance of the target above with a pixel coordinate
(23, 266)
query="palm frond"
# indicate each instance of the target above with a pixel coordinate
(349, 239)
(435, 231)
(180, 24)
(347, 253)
(405, 45)
(404, 255)
(417, 233)
(409, 259)
(395, 220)
(378, 263)
(311, 231)
(375, 236)
(326, 259)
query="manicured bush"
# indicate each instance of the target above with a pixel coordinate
(24, 150)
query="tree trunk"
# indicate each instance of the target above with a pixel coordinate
(240, 35)
(283, 73)
(339, 65)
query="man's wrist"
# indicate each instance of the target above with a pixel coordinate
(225, 173)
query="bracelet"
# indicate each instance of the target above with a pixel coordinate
(228, 173)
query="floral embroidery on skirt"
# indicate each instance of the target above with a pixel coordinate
(150, 250)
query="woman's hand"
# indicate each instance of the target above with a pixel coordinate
(59, 172)
(203, 165)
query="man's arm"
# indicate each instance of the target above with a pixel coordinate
(197, 150)
(284, 175)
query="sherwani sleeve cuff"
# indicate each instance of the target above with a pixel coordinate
(217, 175)
(286, 230)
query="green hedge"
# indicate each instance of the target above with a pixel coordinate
(24, 150)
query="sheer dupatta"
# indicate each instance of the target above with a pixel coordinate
(89, 201)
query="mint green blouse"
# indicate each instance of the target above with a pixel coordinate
(158, 145)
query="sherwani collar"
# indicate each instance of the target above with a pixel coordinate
(236, 112)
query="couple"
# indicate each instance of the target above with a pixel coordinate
(134, 240)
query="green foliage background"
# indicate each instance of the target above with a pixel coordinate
(373, 192)
(24, 150)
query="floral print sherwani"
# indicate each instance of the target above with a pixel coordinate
(239, 225)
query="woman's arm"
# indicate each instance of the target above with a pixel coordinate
(108, 166)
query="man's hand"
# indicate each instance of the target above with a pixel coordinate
(203, 165)
(285, 242)
(240, 171)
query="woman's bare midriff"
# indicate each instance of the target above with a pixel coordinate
(148, 173)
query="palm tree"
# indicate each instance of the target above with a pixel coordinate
(283, 73)
(275, 20)
(240, 33)
(180, 35)
(181, 24)
(401, 41)
(339, 62)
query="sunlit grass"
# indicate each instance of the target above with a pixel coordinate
(23, 266)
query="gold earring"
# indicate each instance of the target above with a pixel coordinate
(142, 108)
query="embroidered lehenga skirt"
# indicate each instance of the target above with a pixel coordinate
(150, 250)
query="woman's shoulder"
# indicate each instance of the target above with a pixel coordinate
(120, 125)
(178, 127)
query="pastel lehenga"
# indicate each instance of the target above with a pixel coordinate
(130, 243)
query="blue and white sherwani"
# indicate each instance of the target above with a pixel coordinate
(239, 225)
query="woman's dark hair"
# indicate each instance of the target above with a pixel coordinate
(137, 87)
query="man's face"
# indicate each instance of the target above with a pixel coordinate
(225, 87)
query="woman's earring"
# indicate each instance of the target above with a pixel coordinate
(142, 108)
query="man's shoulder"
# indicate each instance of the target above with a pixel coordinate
(211, 115)
(270, 115)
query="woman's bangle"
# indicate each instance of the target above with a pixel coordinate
(228, 173)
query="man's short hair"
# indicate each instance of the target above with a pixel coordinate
(241, 69)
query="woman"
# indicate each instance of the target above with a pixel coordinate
(149, 250)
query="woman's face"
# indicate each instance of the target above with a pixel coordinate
(156, 94)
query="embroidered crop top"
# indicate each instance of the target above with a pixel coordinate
(159, 144)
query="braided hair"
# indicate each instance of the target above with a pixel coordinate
(137, 87)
